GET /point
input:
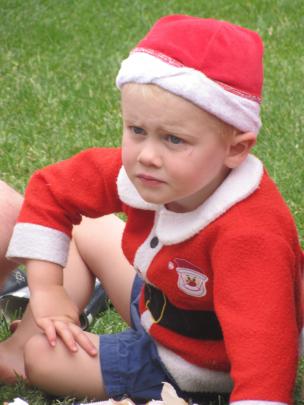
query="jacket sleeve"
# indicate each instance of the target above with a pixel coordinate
(56, 199)
(254, 295)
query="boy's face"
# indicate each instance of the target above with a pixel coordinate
(172, 150)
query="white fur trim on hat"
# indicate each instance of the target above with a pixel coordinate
(144, 68)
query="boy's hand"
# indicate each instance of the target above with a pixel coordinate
(53, 310)
(56, 314)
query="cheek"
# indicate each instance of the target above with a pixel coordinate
(185, 173)
(127, 149)
(212, 158)
(199, 166)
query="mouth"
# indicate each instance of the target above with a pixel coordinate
(148, 179)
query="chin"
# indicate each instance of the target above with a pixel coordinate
(151, 199)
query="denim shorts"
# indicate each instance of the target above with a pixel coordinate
(130, 363)
(129, 360)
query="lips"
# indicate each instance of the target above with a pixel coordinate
(148, 179)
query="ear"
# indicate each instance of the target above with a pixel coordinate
(239, 149)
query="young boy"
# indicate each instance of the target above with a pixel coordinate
(206, 269)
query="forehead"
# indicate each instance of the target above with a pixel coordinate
(148, 93)
(154, 100)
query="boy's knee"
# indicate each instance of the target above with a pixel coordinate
(37, 358)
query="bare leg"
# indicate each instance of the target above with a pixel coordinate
(96, 251)
(99, 245)
(61, 372)
(10, 203)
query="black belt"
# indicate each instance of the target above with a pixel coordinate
(195, 324)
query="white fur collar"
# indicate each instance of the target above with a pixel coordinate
(172, 227)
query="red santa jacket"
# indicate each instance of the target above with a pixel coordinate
(237, 255)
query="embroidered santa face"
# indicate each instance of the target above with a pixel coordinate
(190, 278)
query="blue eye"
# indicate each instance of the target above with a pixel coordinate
(137, 130)
(174, 139)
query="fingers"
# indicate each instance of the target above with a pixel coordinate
(48, 327)
(71, 335)
(64, 330)
(83, 340)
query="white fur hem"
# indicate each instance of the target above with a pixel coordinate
(192, 378)
(30, 241)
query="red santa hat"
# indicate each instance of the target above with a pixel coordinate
(214, 64)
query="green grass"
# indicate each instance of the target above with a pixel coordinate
(58, 62)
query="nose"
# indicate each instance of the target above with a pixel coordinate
(150, 154)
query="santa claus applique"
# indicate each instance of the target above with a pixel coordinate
(190, 278)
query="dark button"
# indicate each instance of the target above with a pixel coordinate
(154, 242)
